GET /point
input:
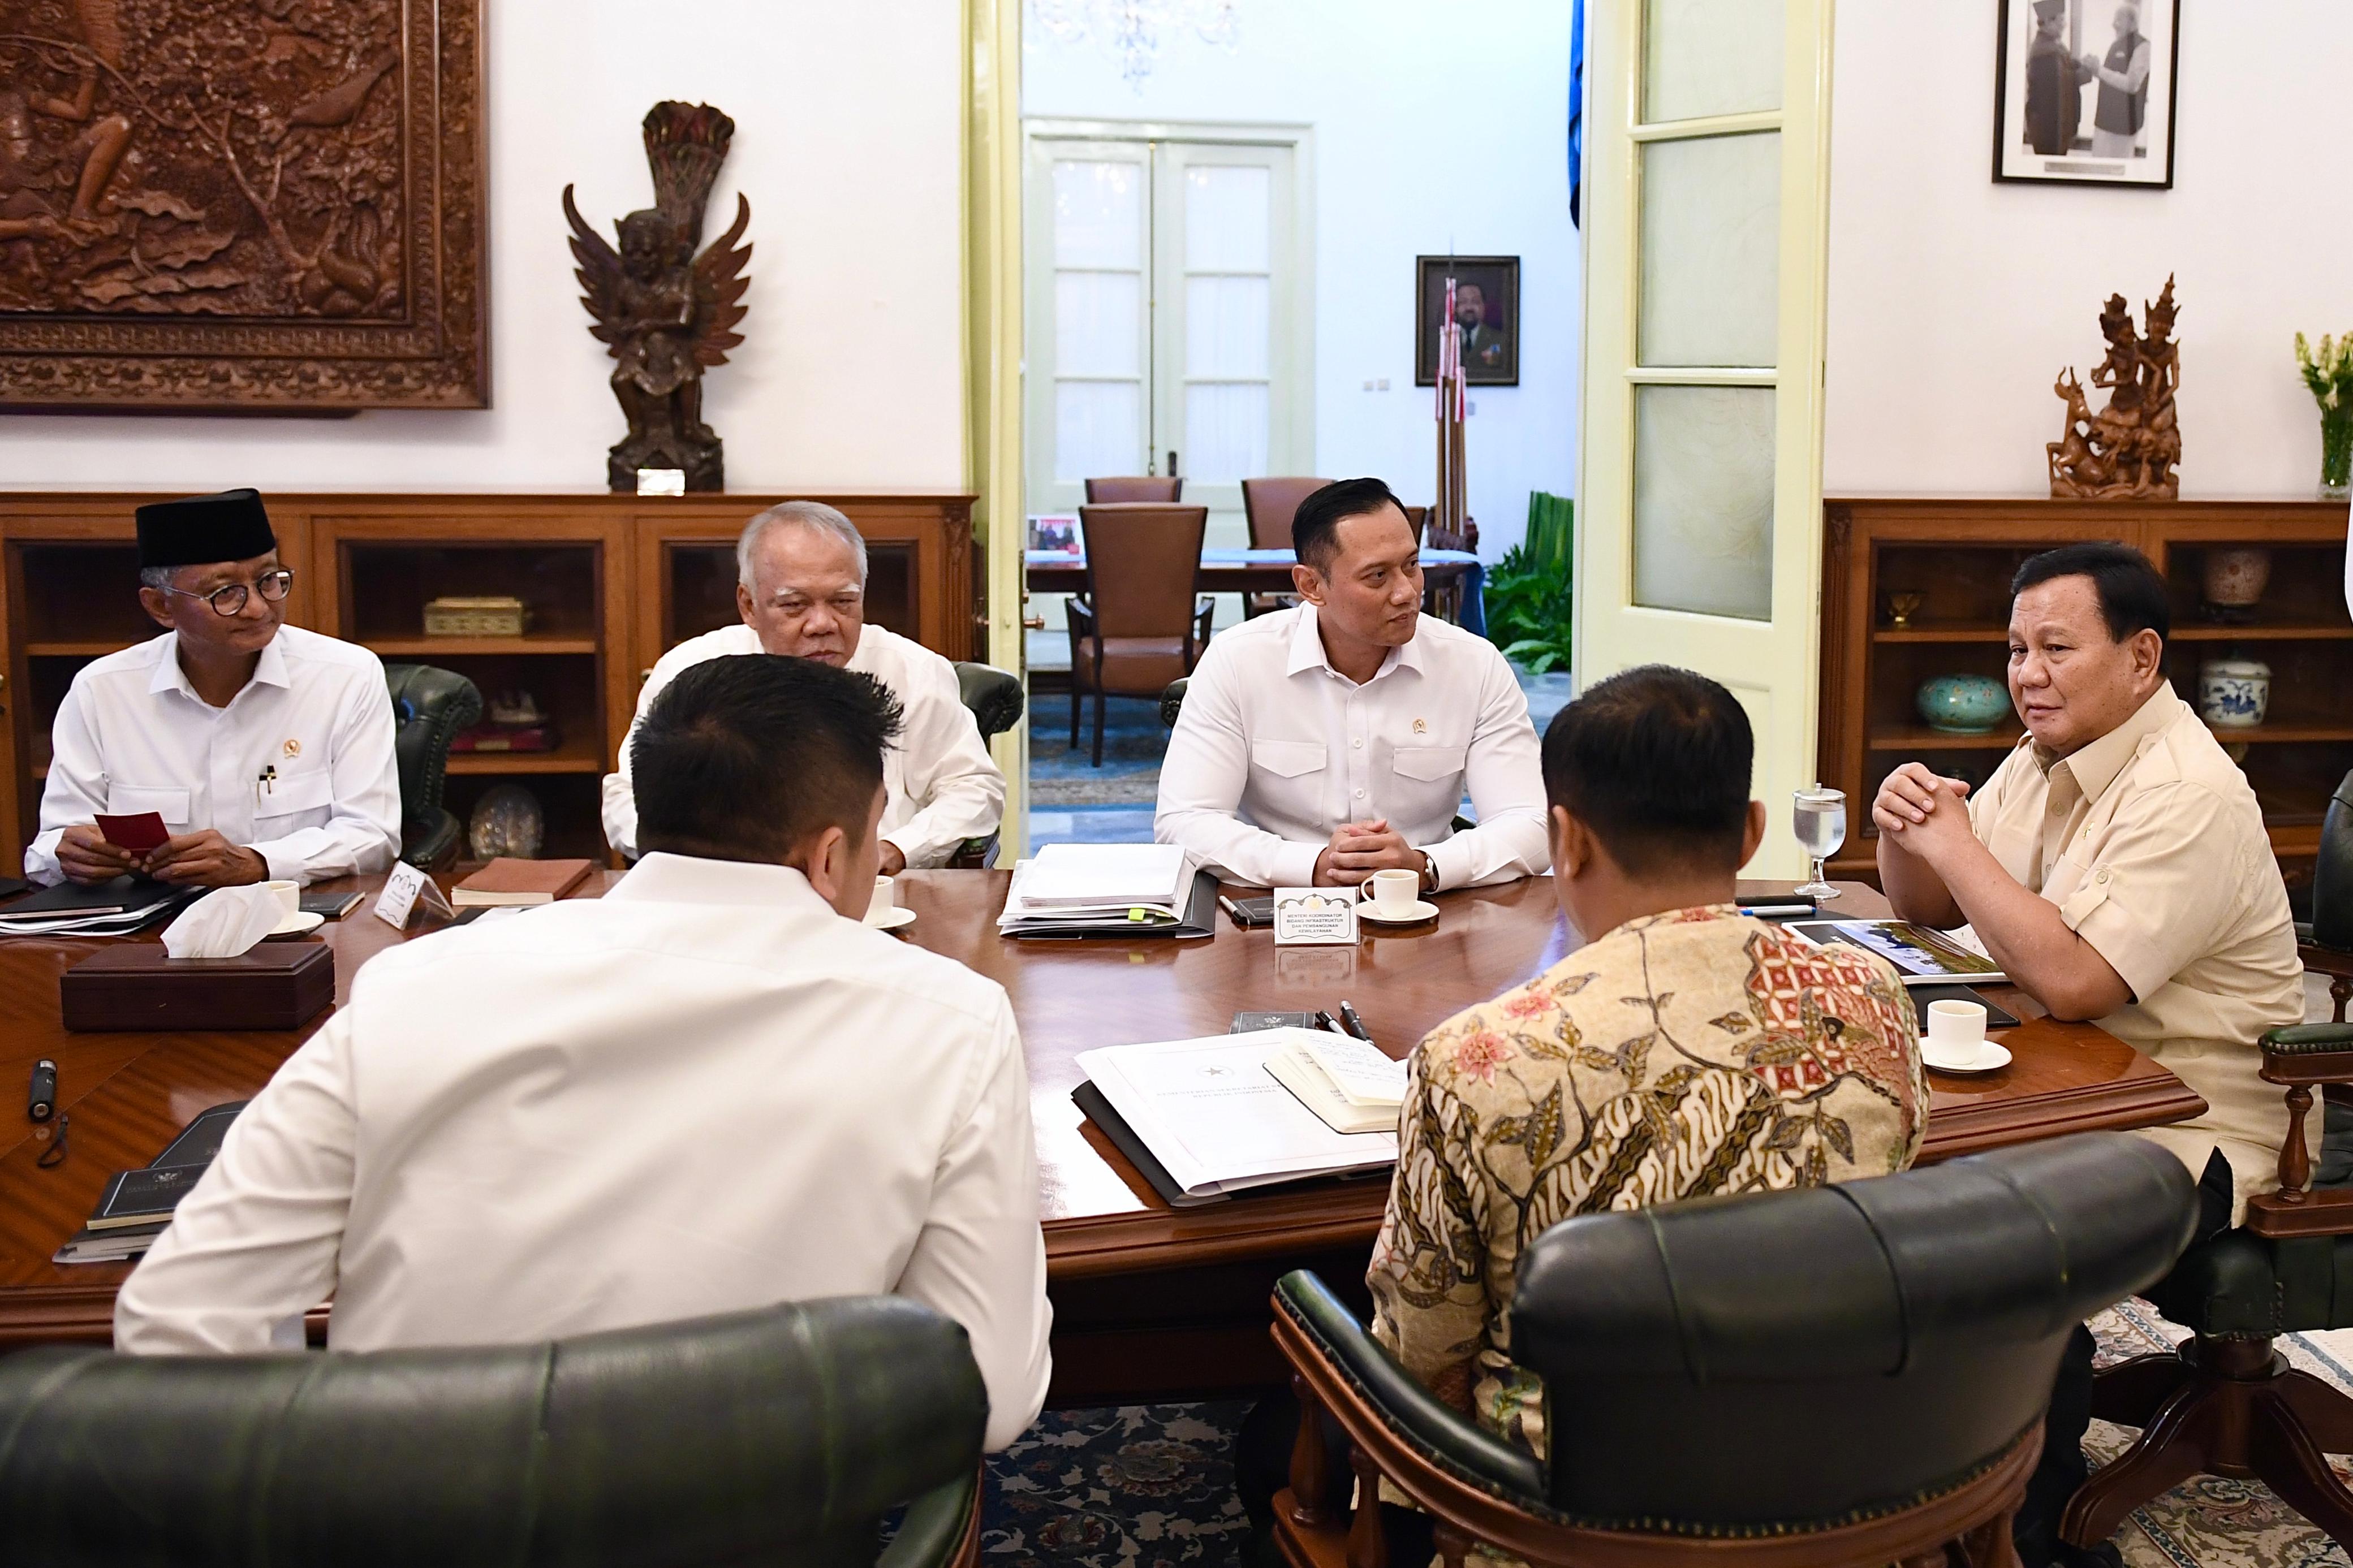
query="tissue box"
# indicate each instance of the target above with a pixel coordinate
(276, 985)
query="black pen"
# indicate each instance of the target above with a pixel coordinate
(1326, 1021)
(1232, 909)
(1352, 1024)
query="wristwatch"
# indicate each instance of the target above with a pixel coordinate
(1428, 873)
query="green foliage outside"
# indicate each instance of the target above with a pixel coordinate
(1529, 608)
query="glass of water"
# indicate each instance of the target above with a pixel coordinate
(1820, 821)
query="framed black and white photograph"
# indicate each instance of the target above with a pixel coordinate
(2084, 92)
(1487, 308)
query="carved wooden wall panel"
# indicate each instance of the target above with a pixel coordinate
(242, 205)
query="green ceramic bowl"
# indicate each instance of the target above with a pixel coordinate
(1963, 704)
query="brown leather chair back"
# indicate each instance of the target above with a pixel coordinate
(1268, 504)
(1142, 561)
(1136, 487)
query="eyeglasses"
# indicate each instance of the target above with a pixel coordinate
(227, 601)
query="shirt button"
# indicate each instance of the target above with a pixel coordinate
(1358, 742)
(1360, 795)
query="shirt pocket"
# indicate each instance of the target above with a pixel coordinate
(1288, 759)
(1429, 764)
(291, 796)
(130, 800)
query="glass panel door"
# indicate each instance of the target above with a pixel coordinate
(1089, 337)
(1700, 496)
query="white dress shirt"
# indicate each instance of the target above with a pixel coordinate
(1275, 750)
(298, 767)
(942, 785)
(703, 1092)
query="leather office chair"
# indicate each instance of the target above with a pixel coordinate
(429, 707)
(995, 701)
(1172, 700)
(777, 1435)
(1268, 504)
(2228, 1403)
(1834, 1377)
(1136, 487)
(1137, 627)
(2324, 943)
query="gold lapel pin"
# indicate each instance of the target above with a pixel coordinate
(294, 748)
(1421, 726)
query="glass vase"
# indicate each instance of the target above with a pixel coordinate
(2336, 453)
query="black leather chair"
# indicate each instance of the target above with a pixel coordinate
(995, 701)
(2228, 1403)
(1835, 1377)
(1172, 700)
(994, 697)
(777, 1435)
(429, 707)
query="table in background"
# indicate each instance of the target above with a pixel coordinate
(1268, 572)
(1150, 1301)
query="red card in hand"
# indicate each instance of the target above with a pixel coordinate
(138, 833)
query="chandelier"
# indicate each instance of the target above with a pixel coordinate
(1131, 30)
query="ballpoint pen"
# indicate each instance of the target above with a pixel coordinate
(1352, 1024)
(1232, 909)
(1324, 1020)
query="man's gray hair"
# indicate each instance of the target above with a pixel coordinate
(813, 515)
(157, 577)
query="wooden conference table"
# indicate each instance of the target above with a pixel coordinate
(1150, 1302)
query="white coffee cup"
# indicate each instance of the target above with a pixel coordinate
(1393, 894)
(1956, 1030)
(885, 899)
(289, 899)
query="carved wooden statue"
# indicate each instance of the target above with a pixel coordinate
(2128, 450)
(665, 314)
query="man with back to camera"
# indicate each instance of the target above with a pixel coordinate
(709, 1091)
(266, 749)
(2116, 865)
(801, 589)
(1679, 1004)
(1325, 743)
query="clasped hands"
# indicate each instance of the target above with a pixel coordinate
(1360, 849)
(199, 859)
(1922, 812)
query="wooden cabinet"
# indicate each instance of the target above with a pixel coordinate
(1958, 557)
(610, 582)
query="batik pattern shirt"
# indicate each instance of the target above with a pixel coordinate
(1695, 1052)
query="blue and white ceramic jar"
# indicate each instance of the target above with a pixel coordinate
(2233, 693)
(1963, 704)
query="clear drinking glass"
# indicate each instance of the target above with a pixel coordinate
(1820, 822)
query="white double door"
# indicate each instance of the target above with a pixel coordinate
(1167, 315)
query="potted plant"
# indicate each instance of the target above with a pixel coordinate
(2328, 371)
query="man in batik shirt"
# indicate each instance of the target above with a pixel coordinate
(1687, 1050)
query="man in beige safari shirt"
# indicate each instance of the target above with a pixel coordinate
(2116, 866)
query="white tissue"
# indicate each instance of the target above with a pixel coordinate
(223, 923)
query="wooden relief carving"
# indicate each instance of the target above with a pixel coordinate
(242, 206)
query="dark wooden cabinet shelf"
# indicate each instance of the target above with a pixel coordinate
(427, 650)
(611, 582)
(1958, 557)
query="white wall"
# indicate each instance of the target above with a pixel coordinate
(1954, 302)
(1438, 128)
(847, 140)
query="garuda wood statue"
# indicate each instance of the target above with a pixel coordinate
(666, 313)
(2129, 451)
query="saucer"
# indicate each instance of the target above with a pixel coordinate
(297, 924)
(1421, 910)
(1989, 1056)
(900, 915)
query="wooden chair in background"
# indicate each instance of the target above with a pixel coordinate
(1136, 487)
(1268, 504)
(1138, 625)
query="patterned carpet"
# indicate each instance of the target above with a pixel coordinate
(1151, 1486)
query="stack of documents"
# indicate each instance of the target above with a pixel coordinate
(1209, 1116)
(1075, 887)
(110, 909)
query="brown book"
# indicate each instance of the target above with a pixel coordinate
(506, 882)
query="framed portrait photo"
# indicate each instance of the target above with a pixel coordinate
(2084, 91)
(1486, 303)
